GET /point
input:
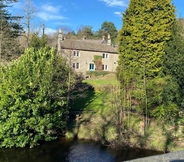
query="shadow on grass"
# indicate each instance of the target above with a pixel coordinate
(81, 96)
(93, 116)
(86, 106)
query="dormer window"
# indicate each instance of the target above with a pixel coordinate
(76, 53)
(105, 55)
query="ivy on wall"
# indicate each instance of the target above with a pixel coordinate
(98, 62)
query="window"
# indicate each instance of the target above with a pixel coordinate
(92, 67)
(104, 67)
(105, 55)
(76, 65)
(73, 65)
(76, 53)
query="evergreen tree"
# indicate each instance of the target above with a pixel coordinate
(146, 28)
(38, 42)
(174, 64)
(85, 31)
(171, 96)
(9, 32)
(109, 28)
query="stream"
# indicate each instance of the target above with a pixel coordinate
(72, 151)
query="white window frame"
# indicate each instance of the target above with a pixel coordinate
(76, 53)
(76, 65)
(105, 55)
(105, 67)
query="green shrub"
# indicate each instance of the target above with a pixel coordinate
(33, 98)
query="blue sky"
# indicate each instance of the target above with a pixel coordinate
(73, 14)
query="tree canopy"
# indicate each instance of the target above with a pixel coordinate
(38, 42)
(9, 31)
(109, 28)
(85, 31)
(174, 60)
(146, 29)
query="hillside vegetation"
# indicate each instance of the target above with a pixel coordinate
(100, 119)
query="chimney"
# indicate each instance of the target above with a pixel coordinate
(103, 38)
(108, 39)
(60, 38)
(60, 35)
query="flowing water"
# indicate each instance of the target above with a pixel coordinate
(72, 151)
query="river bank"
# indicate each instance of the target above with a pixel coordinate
(99, 120)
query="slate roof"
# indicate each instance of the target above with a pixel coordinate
(87, 45)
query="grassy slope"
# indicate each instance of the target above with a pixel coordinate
(99, 119)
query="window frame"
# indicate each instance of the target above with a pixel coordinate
(104, 67)
(105, 55)
(76, 65)
(76, 53)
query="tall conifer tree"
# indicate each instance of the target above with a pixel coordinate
(174, 59)
(9, 32)
(146, 28)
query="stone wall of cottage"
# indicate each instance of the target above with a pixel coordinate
(85, 58)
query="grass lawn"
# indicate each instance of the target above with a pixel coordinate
(98, 99)
(109, 79)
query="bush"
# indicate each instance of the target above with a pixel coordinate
(33, 103)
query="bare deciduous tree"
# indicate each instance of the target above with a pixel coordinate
(29, 11)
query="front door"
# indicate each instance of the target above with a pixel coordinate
(91, 67)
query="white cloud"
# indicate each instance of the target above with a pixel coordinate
(118, 14)
(49, 31)
(47, 16)
(112, 3)
(51, 9)
(49, 12)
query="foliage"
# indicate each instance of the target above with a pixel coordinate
(166, 112)
(98, 65)
(109, 28)
(174, 60)
(33, 98)
(9, 31)
(98, 62)
(100, 121)
(146, 29)
(85, 31)
(97, 57)
(38, 42)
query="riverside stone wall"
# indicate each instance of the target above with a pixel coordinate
(169, 157)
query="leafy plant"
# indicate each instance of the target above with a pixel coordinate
(98, 62)
(33, 98)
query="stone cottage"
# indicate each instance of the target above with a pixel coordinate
(85, 55)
